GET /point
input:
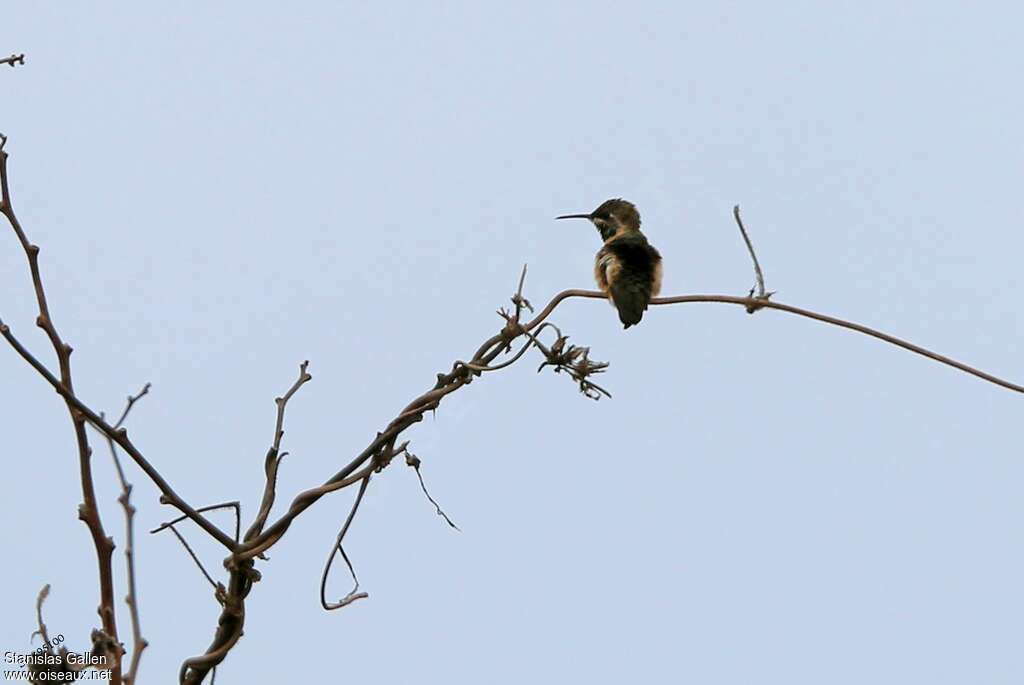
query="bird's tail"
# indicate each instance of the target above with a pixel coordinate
(631, 298)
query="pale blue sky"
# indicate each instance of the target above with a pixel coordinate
(223, 191)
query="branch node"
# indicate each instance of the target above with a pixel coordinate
(518, 300)
(757, 301)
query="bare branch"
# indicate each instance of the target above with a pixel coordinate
(41, 632)
(80, 414)
(753, 301)
(132, 399)
(497, 367)
(13, 60)
(217, 588)
(761, 294)
(88, 511)
(337, 548)
(518, 300)
(274, 456)
(229, 631)
(210, 507)
(139, 643)
(414, 461)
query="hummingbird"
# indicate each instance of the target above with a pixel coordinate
(627, 267)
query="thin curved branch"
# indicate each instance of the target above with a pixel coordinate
(850, 325)
(192, 554)
(88, 511)
(194, 670)
(415, 462)
(139, 643)
(518, 300)
(758, 274)
(768, 304)
(337, 548)
(502, 365)
(234, 505)
(40, 599)
(272, 461)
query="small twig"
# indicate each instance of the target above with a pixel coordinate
(272, 461)
(281, 402)
(336, 548)
(192, 554)
(132, 399)
(43, 594)
(414, 461)
(758, 275)
(497, 367)
(139, 643)
(13, 59)
(211, 507)
(518, 300)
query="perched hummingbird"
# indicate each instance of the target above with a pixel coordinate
(627, 267)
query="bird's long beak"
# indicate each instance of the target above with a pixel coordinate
(573, 216)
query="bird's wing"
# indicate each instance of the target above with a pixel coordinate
(631, 290)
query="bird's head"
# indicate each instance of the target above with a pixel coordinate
(611, 218)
